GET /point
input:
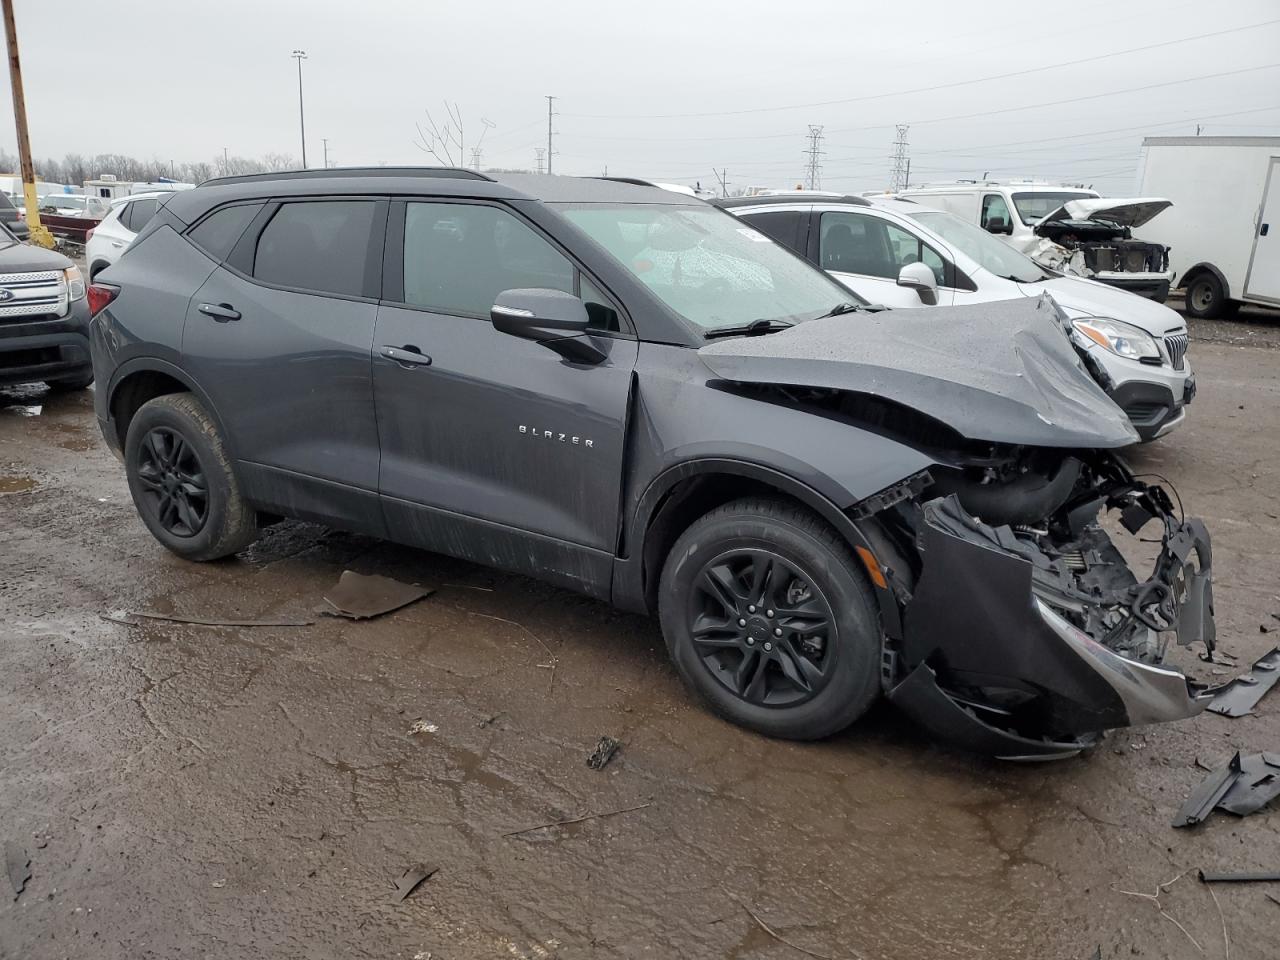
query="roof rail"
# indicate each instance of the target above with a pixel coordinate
(799, 196)
(451, 173)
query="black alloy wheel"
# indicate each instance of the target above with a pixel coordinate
(174, 487)
(762, 628)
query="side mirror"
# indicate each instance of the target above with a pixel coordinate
(999, 225)
(553, 318)
(920, 278)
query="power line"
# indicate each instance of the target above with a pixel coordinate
(1093, 96)
(813, 170)
(932, 87)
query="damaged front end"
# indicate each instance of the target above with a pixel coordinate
(1026, 641)
(1094, 239)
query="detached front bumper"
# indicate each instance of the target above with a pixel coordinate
(1007, 650)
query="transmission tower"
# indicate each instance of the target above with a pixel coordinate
(541, 153)
(901, 163)
(475, 158)
(813, 170)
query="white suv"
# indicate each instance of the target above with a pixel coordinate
(902, 254)
(1071, 229)
(127, 216)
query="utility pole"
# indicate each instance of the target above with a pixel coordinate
(722, 175)
(39, 234)
(540, 152)
(301, 55)
(550, 114)
(325, 141)
(813, 172)
(226, 164)
(900, 171)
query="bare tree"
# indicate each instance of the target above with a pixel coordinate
(443, 141)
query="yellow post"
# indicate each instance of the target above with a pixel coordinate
(39, 234)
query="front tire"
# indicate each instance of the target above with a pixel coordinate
(770, 621)
(181, 480)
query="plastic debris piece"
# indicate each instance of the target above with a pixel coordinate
(360, 597)
(410, 879)
(1244, 786)
(18, 866)
(603, 753)
(1238, 697)
(1264, 876)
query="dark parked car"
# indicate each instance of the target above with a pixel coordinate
(44, 318)
(10, 218)
(631, 393)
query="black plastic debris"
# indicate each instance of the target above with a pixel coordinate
(1238, 697)
(1244, 786)
(1265, 876)
(603, 753)
(410, 879)
(18, 866)
(360, 597)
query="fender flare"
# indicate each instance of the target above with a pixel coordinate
(655, 494)
(157, 365)
(1206, 267)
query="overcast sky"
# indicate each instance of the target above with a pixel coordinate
(181, 80)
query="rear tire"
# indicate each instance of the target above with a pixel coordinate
(182, 482)
(1206, 299)
(768, 619)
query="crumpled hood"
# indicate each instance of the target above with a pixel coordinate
(1124, 213)
(1002, 371)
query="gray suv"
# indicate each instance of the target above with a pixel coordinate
(630, 393)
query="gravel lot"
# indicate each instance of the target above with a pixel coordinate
(226, 792)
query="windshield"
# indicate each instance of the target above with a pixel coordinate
(707, 266)
(1034, 207)
(978, 245)
(64, 200)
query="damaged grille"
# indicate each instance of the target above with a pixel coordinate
(1176, 345)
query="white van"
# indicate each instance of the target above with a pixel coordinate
(1227, 196)
(1065, 228)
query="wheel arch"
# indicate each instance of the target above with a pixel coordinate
(686, 491)
(145, 378)
(1204, 266)
(97, 267)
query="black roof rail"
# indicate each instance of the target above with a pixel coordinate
(800, 196)
(448, 173)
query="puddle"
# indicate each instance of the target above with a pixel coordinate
(18, 484)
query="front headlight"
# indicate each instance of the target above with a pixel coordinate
(1122, 339)
(75, 283)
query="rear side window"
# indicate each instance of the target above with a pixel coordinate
(317, 245)
(139, 213)
(458, 257)
(784, 226)
(217, 233)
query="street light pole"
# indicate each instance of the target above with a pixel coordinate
(301, 55)
(39, 234)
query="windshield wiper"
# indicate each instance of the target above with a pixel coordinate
(753, 329)
(840, 308)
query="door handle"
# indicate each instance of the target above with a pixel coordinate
(117, 243)
(406, 356)
(221, 312)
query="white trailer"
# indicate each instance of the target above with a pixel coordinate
(1223, 230)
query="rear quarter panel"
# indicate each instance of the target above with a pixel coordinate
(157, 280)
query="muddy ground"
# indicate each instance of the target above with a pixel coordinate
(188, 791)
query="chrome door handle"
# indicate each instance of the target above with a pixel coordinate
(406, 356)
(222, 312)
